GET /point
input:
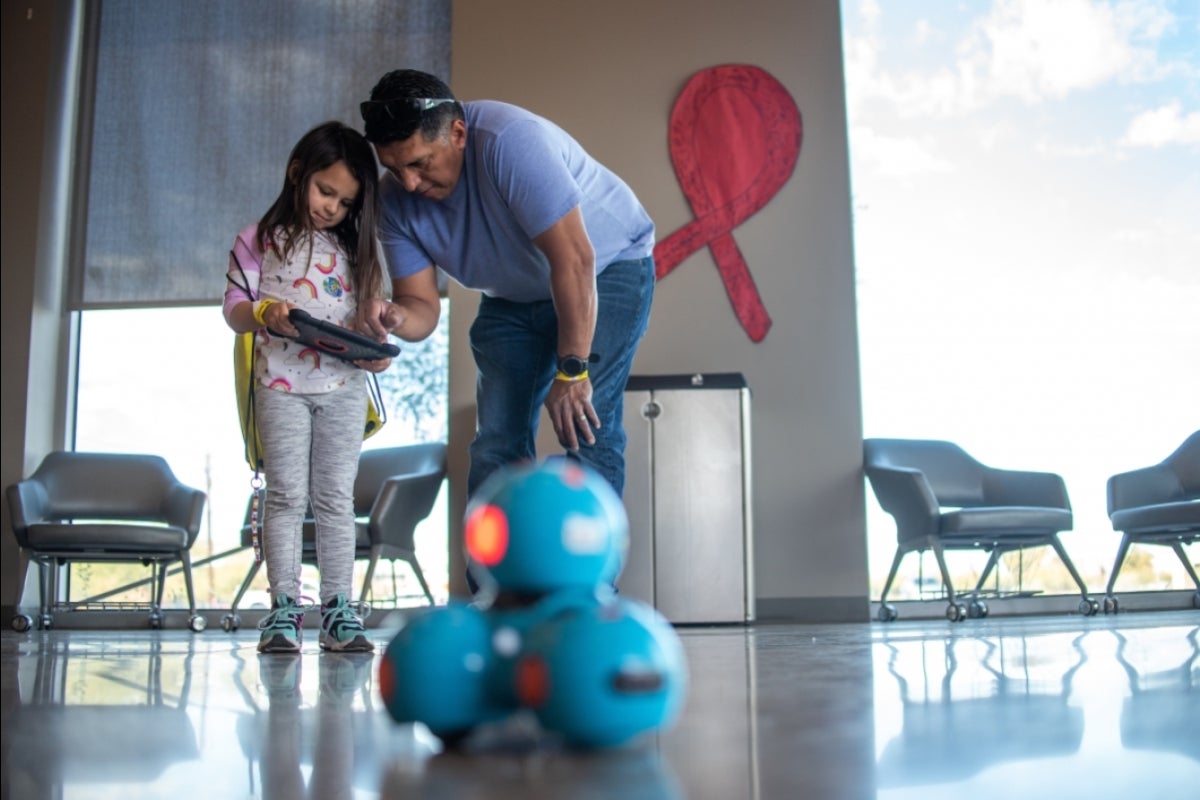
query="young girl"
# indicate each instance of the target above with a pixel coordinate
(314, 249)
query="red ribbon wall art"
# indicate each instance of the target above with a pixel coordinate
(735, 136)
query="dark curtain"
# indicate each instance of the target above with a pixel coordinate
(197, 104)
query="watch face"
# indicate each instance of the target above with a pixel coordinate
(572, 366)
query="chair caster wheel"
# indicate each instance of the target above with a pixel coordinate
(21, 623)
(887, 613)
(46, 622)
(977, 609)
(1088, 607)
(1111, 605)
(156, 621)
(230, 623)
(956, 612)
(197, 623)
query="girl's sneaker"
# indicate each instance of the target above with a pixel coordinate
(342, 629)
(281, 627)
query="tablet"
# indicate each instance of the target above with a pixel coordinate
(338, 341)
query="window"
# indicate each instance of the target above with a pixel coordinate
(161, 381)
(1024, 182)
(190, 112)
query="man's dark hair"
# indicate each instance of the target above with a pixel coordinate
(381, 127)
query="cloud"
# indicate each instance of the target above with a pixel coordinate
(895, 157)
(1039, 49)
(1164, 125)
(1032, 50)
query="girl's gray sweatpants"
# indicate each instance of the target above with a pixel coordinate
(311, 444)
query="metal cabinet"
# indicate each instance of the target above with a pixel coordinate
(687, 493)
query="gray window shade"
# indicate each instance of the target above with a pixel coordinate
(197, 105)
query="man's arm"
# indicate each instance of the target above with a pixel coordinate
(413, 312)
(573, 287)
(572, 282)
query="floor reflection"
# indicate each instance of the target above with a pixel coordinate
(994, 708)
(960, 715)
(1107, 711)
(1162, 711)
(98, 715)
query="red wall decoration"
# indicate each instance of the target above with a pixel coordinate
(735, 136)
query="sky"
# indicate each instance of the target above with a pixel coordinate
(1026, 189)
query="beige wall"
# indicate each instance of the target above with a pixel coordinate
(608, 72)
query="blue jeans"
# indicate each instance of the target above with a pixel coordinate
(516, 355)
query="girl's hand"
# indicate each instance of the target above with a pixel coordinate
(373, 365)
(274, 315)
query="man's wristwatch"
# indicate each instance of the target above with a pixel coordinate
(572, 366)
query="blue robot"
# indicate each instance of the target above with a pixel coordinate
(549, 633)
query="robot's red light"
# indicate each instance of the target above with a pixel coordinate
(387, 679)
(533, 681)
(487, 535)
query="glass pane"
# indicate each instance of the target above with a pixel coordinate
(1025, 244)
(161, 381)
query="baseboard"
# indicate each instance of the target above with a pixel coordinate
(812, 609)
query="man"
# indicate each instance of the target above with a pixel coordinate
(507, 203)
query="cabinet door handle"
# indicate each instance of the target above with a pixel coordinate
(651, 410)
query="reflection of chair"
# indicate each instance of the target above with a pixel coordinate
(1163, 706)
(943, 499)
(1157, 505)
(1006, 717)
(87, 718)
(104, 507)
(395, 490)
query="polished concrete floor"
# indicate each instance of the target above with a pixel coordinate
(1018, 707)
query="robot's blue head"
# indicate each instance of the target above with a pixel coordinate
(538, 529)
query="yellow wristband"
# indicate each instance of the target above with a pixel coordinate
(260, 307)
(562, 376)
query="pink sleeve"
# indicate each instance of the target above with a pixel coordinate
(249, 255)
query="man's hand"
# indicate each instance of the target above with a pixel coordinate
(377, 318)
(569, 404)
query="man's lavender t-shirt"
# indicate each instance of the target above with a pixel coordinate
(521, 174)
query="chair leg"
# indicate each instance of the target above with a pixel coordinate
(1062, 554)
(254, 567)
(370, 576)
(1187, 565)
(416, 568)
(939, 553)
(993, 560)
(887, 586)
(23, 562)
(49, 591)
(185, 562)
(158, 577)
(1122, 551)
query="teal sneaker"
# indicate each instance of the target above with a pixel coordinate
(342, 675)
(342, 629)
(280, 677)
(281, 627)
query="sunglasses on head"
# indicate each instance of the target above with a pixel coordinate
(400, 109)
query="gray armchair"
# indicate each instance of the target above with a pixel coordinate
(394, 491)
(86, 507)
(1157, 505)
(943, 499)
